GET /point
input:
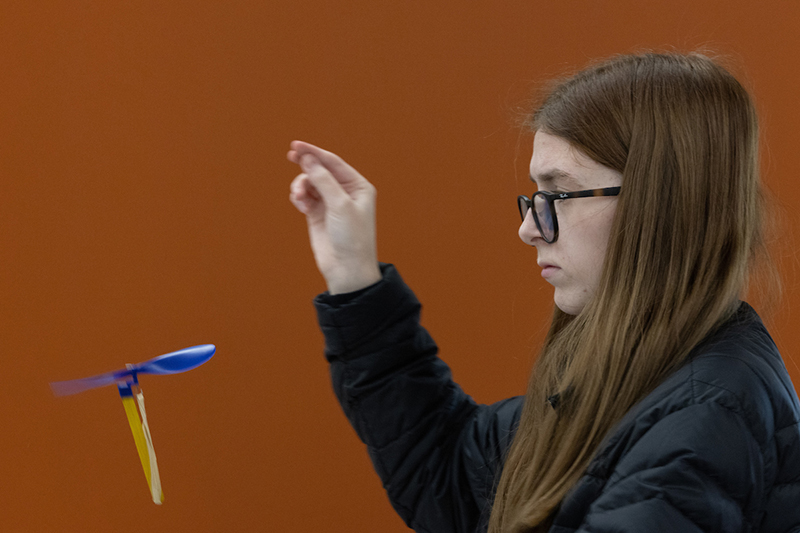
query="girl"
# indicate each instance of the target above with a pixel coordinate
(659, 401)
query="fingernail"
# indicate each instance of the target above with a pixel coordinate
(308, 161)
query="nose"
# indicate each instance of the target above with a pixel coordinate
(528, 231)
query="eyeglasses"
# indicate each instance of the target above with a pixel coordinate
(544, 208)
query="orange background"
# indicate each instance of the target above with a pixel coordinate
(144, 208)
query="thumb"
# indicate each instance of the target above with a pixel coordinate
(321, 178)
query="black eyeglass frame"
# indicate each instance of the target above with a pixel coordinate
(551, 197)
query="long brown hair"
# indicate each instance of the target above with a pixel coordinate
(683, 133)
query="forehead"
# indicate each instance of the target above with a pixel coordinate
(555, 162)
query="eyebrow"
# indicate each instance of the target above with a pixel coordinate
(555, 175)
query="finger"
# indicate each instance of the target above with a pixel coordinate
(326, 185)
(307, 205)
(303, 189)
(293, 156)
(343, 172)
(299, 204)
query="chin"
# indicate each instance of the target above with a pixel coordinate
(570, 306)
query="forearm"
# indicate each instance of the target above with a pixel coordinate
(436, 451)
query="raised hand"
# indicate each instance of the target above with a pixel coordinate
(339, 204)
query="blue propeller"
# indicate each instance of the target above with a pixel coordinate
(170, 363)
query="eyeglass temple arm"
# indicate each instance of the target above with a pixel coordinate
(607, 191)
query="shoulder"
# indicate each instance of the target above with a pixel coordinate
(740, 369)
(737, 371)
(718, 441)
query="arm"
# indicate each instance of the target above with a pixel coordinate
(436, 451)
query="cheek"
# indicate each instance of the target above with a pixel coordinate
(588, 243)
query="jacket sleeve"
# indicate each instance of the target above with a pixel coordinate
(436, 451)
(697, 469)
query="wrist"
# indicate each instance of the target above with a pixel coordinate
(354, 279)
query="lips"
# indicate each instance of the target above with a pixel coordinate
(548, 269)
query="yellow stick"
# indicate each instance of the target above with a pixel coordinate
(144, 444)
(154, 479)
(138, 434)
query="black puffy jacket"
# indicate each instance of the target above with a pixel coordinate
(715, 448)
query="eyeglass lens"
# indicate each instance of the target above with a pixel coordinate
(542, 214)
(541, 208)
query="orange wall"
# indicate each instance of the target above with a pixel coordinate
(144, 208)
